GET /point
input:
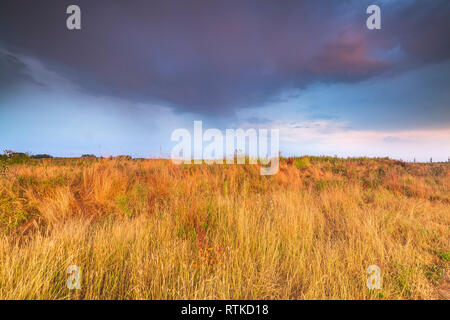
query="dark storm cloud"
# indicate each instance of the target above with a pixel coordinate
(12, 71)
(216, 56)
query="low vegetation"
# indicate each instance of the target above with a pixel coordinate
(148, 229)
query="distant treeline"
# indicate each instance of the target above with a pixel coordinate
(299, 161)
(23, 155)
(12, 155)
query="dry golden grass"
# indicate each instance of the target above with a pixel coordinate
(147, 229)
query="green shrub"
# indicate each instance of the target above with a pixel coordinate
(302, 163)
(3, 165)
(124, 205)
(11, 157)
(321, 185)
(445, 255)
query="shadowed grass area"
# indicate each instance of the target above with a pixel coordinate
(148, 229)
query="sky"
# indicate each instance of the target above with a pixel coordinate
(137, 70)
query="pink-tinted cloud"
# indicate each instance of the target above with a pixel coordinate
(218, 56)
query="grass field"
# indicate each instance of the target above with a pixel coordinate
(148, 229)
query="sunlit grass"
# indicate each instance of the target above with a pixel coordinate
(148, 229)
